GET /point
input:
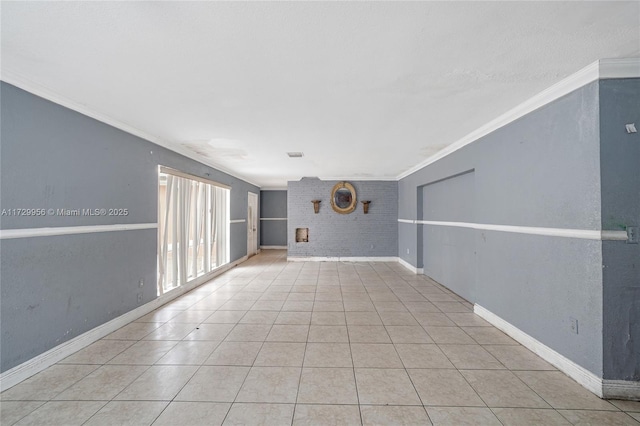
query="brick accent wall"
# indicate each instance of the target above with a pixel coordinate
(343, 235)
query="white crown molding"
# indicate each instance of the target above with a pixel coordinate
(357, 178)
(7, 234)
(602, 69)
(37, 89)
(38, 363)
(586, 234)
(274, 188)
(580, 374)
(619, 68)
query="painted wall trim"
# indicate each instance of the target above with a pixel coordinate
(360, 178)
(619, 68)
(614, 235)
(273, 247)
(413, 222)
(273, 218)
(274, 188)
(580, 374)
(621, 389)
(404, 263)
(341, 259)
(238, 221)
(410, 267)
(37, 89)
(586, 234)
(610, 389)
(36, 364)
(602, 69)
(7, 234)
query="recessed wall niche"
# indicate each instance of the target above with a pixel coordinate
(302, 235)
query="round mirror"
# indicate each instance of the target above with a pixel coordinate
(343, 198)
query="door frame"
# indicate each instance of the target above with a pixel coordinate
(252, 224)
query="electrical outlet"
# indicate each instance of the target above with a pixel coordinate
(141, 282)
(632, 235)
(574, 325)
(407, 251)
(139, 297)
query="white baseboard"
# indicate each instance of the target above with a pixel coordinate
(417, 271)
(38, 363)
(564, 364)
(273, 247)
(410, 267)
(619, 389)
(341, 259)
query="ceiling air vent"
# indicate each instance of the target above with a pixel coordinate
(295, 154)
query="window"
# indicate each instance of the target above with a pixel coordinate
(193, 228)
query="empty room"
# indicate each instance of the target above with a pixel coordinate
(319, 213)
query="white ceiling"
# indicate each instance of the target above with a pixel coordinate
(365, 89)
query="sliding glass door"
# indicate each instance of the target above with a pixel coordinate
(193, 228)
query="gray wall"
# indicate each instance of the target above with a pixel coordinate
(273, 204)
(55, 288)
(542, 170)
(620, 173)
(453, 200)
(343, 235)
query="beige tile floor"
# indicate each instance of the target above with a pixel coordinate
(271, 342)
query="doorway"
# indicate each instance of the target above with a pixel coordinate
(252, 225)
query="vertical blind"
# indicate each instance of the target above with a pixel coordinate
(193, 228)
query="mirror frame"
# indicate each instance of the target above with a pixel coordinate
(354, 202)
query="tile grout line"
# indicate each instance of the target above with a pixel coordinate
(229, 290)
(408, 375)
(250, 367)
(353, 365)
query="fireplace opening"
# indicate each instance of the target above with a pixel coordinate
(302, 235)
